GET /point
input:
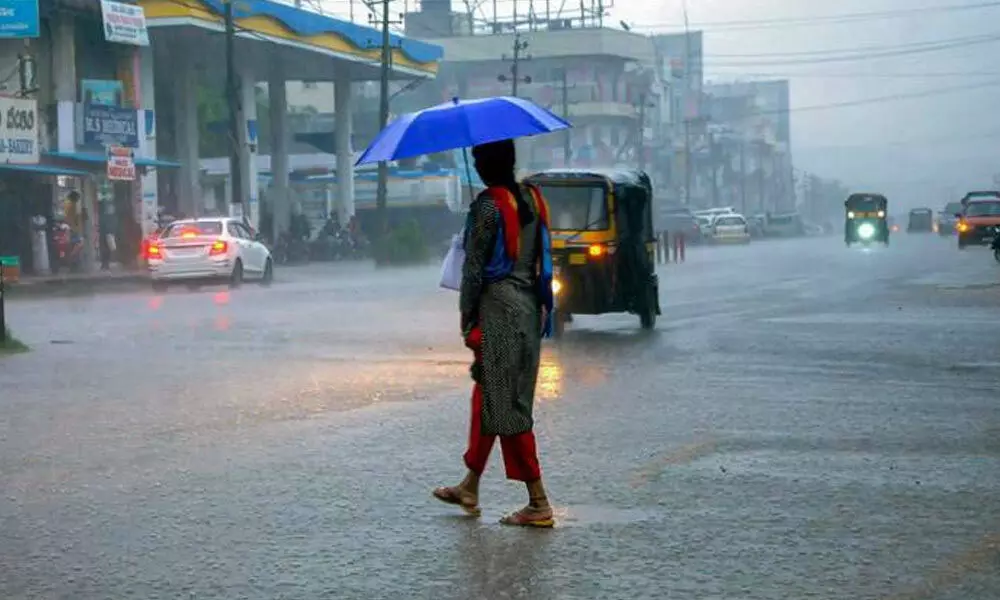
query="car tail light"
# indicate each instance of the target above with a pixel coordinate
(154, 251)
(218, 248)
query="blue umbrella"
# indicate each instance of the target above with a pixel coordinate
(460, 124)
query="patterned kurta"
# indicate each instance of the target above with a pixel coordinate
(509, 313)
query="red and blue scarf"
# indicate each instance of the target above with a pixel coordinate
(508, 243)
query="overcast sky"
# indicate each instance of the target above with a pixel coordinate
(917, 150)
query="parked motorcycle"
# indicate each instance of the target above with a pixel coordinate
(290, 250)
(68, 253)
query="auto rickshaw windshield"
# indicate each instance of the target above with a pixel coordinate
(864, 204)
(576, 207)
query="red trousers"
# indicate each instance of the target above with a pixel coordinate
(520, 456)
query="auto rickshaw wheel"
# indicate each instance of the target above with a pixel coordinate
(559, 323)
(647, 318)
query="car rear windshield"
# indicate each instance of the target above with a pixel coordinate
(576, 207)
(204, 228)
(728, 221)
(983, 209)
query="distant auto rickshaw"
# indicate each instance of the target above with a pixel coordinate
(921, 221)
(866, 219)
(603, 244)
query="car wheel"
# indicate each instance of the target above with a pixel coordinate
(236, 277)
(268, 277)
(159, 286)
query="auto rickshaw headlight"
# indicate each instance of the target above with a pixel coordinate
(962, 226)
(881, 214)
(850, 214)
(866, 230)
(595, 250)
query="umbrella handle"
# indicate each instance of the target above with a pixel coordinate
(468, 171)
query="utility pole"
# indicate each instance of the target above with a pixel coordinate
(687, 119)
(743, 175)
(640, 141)
(760, 174)
(382, 192)
(515, 77)
(235, 109)
(567, 139)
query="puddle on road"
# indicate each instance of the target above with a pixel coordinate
(585, 515)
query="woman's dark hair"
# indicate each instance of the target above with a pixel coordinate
(495, 162)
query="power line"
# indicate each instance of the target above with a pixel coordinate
(880, 99)
(873, 75)
(824, 19)
(868, 48)
(859, 56)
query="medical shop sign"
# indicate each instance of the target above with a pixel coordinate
(124, 23)
(121, 164)
(18, 131)
(110, 126)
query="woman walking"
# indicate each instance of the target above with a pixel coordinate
(506, 304)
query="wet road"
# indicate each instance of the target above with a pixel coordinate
(806, 422)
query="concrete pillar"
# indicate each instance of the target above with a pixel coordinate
(147, 139)
(249, 145)
(64, 78)
(278, 195)
(343, 115)
(185, 84)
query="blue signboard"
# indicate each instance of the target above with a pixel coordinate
(19, 19)
(110, 126)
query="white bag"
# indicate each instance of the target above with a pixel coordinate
(451, 268)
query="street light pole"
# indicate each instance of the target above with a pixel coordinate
(382, 193)
(687, 120)
(233, 103)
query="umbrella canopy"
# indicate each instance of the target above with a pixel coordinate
(460, 124)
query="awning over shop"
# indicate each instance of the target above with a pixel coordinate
(300, 32)
(93, 157)
(44, 170)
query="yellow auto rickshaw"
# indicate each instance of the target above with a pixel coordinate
(603, 245)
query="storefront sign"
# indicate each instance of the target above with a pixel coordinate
(19, 19)
(105, 92)
(121, 164)
(124, 23)
(110, 126)
(18, 131)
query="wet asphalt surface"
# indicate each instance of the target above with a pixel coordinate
(806, 422)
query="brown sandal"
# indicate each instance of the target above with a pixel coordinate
(530, 517)
(454, 496)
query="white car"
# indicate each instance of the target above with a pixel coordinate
(730, 228)
(208, 249)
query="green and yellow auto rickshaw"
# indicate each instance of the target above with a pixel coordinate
(603, 244)
(866, 219)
